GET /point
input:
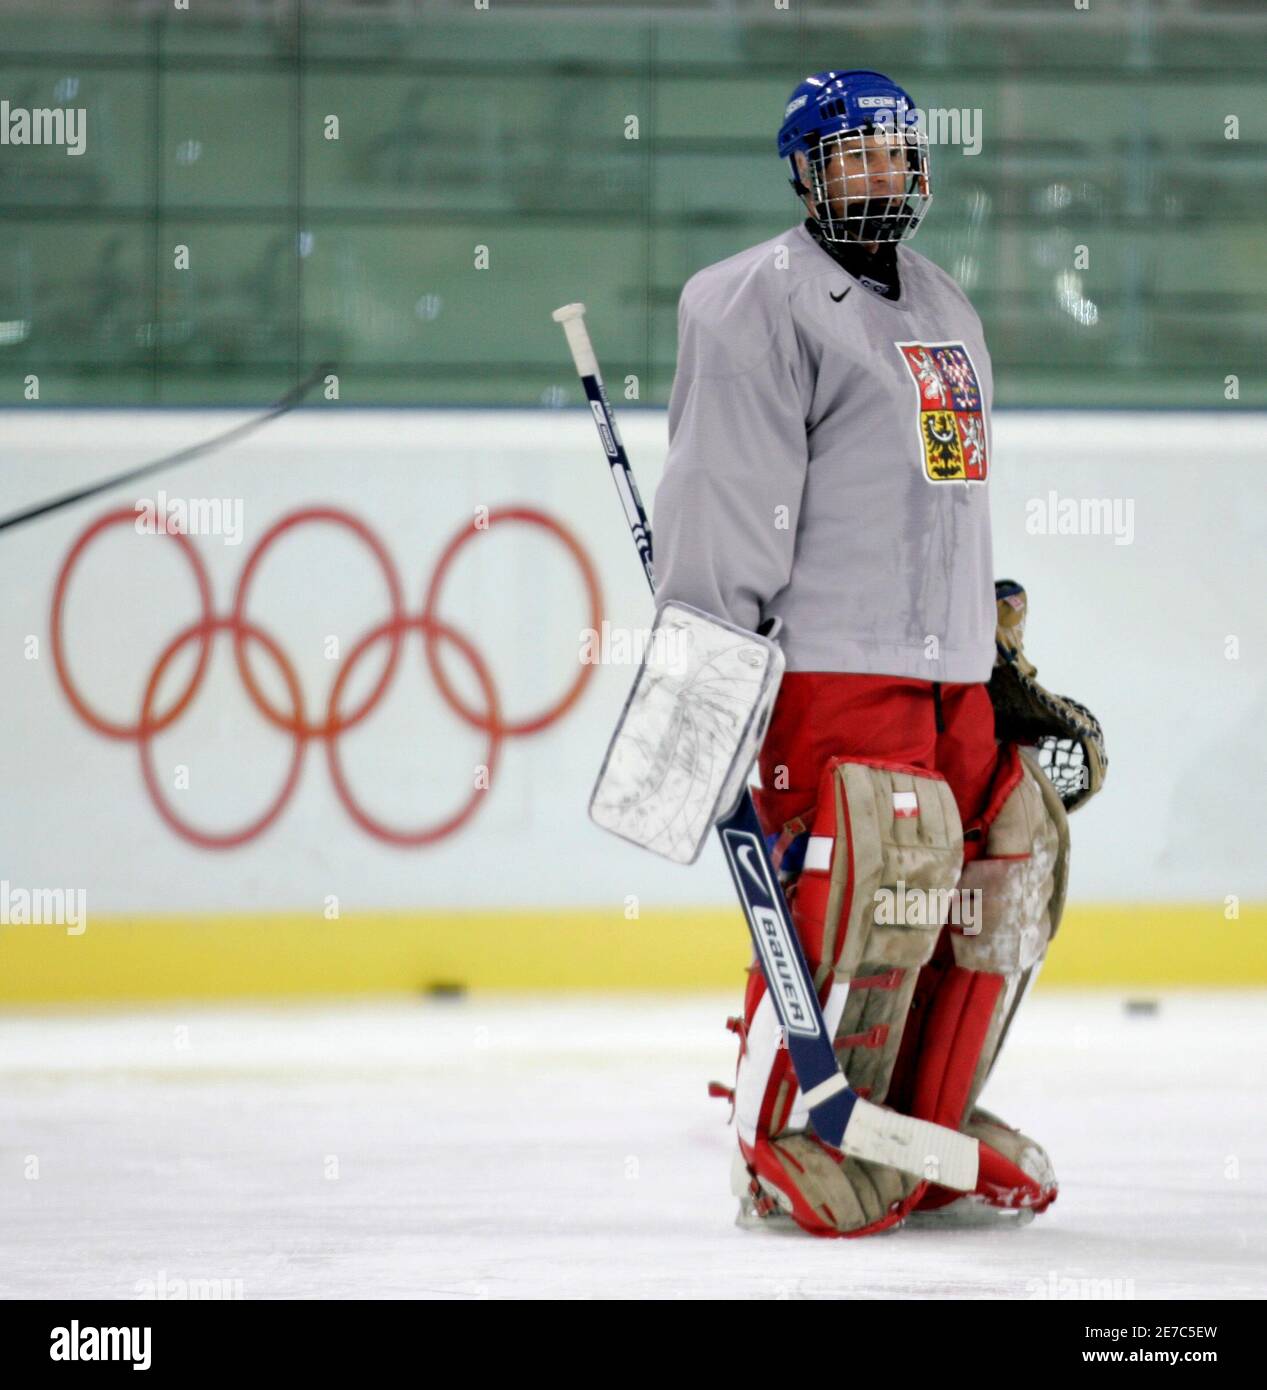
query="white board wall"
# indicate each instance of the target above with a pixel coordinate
(1163, 637)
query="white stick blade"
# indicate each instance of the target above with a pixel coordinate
(918, 1147)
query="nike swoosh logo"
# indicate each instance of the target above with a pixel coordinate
(838, 297)
(750, 866)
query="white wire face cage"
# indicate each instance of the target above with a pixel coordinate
(870, 185)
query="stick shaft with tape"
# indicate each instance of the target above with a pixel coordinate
(572, 317)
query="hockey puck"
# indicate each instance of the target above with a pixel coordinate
(1143, 1008)
(444, 989)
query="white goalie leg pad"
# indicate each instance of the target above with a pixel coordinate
(689, 732)
(1022, 879)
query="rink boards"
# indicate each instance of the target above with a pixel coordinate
(239, 850)
(240, 955)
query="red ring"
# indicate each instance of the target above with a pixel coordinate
(395, 628)
(232, 838)
(552, 712)
(493, 727)
(379, 551)
(95, 721)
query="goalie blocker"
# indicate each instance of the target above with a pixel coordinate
(689, 732)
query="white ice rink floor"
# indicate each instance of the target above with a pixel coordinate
(488, 1148)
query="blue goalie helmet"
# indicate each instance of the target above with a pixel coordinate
(856, 148)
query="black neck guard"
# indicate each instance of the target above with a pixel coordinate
(877, 271)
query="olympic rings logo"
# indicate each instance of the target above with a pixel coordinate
(487, 718)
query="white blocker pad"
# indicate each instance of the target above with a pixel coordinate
(690, 729)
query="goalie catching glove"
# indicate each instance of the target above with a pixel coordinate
(1067, 736)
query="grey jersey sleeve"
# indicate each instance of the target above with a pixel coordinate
(726, 511)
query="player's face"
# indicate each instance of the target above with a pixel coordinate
(862, 167)
(871, 165)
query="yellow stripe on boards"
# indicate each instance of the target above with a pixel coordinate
(286, 954)
(1159, 944)
(224, 956)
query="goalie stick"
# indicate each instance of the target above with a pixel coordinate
(841, 1117)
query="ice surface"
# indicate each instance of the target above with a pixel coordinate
(533, 1147)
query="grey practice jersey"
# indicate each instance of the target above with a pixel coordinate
(829, 458)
